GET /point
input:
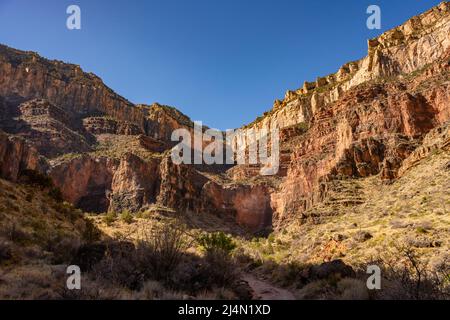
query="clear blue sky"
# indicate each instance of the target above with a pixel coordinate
(223, 62)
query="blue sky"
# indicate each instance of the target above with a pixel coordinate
(223, 62)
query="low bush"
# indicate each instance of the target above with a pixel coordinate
(90, 233)
(56, 194)
(126, 217)
(218, 241)
(219, 268)
(160, 251)
(109, 218)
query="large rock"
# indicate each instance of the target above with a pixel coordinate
(250, 204)
(16, 156)
(85, 181)
(181, 186)
(99, 184)
(134, 184)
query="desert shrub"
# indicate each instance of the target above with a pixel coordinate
(220, 268)
(196, 275)
(314, 290)
(90, 233)
(151, 290)
(5, 251)
(110, 217)
(218, 241)
(68, 210)
(406, 276)
(63, 249)
(188, 276)
(352, 289)
(119, 265)
(126, 217)
(217, 294)
(56, 194)
(93, 290)
(88, 255)
(289, 274)
(43, 181)
(15, 233)
(160, 251)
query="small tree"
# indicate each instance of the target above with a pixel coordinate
(218, 241)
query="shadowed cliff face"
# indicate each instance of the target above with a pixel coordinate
(25, 76)
(105, 153)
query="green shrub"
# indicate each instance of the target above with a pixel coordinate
(220, 268)
(218, 241)
(126, 217)
(110, 218)
(421, 230)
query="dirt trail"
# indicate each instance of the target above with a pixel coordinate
(266, 291)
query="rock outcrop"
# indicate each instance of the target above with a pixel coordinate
(134, 184)
(250, 204)
(104, 125)
(85, 181)
(16, 156)
(181, 186)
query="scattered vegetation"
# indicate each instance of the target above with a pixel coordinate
(109, 218)
(44, 182)
(127, 217)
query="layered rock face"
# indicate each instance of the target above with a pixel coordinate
(104, 125)
(105, 153)
(85, 181)
(364, 120)
(25, 76)
(420, 41)
(102, 151)
(50, 129)
(370, 116)
(250, 204)
(181, 186)
(16, 156)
